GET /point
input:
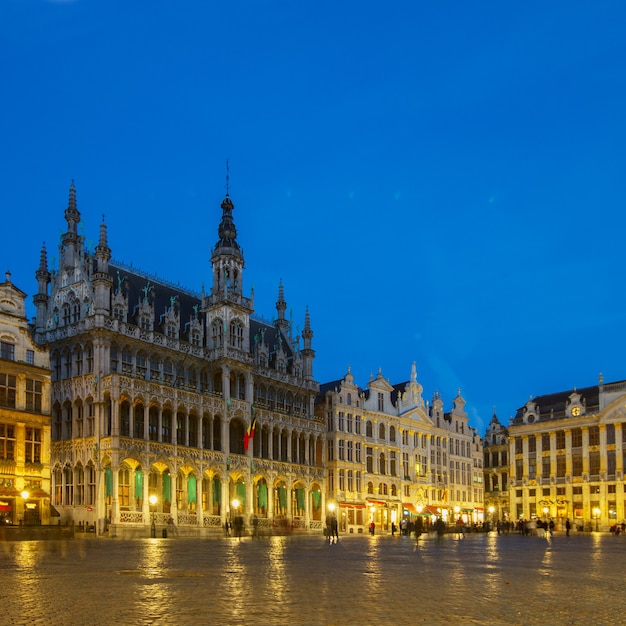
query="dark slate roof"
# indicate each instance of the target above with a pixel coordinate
(397, 391)
(554, 404)
(133, 282)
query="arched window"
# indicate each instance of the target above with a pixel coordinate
(123, 491)
(236, 335)
(217, 434)
(368, 429)
(166, 426)
(153, 424)
(392, 434)
(217, 333)
(138, 421)
(125, 419)
(381, 432)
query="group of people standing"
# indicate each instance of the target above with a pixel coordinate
(332, 528)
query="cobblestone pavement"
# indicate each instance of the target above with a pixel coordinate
(483, 578)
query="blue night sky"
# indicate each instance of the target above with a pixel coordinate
(439, 182)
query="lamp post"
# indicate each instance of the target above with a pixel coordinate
(331, 515)
(25, 495)
(596, 514)
(153, 500)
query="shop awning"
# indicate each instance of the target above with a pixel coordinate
(407, 506)
(372, 501)
(431, 510)
(352, 505)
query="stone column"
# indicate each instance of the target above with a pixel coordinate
(199, 493)
(568, 434)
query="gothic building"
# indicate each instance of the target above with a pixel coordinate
(24, 416)
(392, 456)
(157, 392)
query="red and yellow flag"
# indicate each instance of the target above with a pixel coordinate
(249, 434)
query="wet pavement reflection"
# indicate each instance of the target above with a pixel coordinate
(482, 578)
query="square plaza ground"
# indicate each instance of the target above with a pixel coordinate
(482, 578)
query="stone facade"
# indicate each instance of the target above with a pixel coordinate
(567, 456)
(24, 416)
(157, 392)
(497, 472)
(393, 456)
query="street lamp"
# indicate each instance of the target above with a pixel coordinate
(25, 495)
(596, 514)
(153, 500)
(546, 510)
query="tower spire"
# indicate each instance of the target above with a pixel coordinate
(72, 214)
(281, 306)
(308, 353)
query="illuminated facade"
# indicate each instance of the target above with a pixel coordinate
(391, 456)
(567, 457)
(496, 471)
(154, 389)
(24, 416)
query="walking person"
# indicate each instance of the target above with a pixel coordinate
(568, 526)
(334, 529)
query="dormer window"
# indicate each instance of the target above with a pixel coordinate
(196, 337)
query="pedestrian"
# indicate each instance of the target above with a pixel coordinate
(551, 526)
(238, 526)
(393, 529)
(419, 527)
(372, 527)
(440, 527)
(460, 528)
(334, 529)
(568, 526)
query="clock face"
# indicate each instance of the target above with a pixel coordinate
(576, 411)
